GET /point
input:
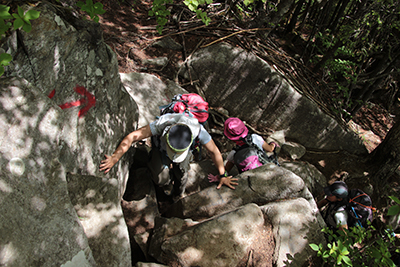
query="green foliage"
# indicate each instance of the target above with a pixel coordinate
(4, 15)
(193, 5)
(394, 210)
(342, 67)
(5, 60)
(93, 10)
(160, 11)
(359, 246)
(21, 20)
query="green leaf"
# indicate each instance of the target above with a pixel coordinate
(394, 210)
(1, 70)
(376, 254)
(98, 5)
(192, 7)
(20, 12)
(339, 259)
(395, 199)
(347, 261)
(26, 20)
(5, 59)
(325, 255)
(314, 247)
(80, 4)
(18, 23)
(4, 14)
(32, 14)
(27, 27)
(3, 27)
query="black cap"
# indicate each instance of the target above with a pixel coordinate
(338, 189)
(179, 139)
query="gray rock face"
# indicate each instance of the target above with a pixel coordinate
(311, 176)
(75, 64)
(294, 150)
(251, 90)
(295, 226)
(98, 206)
(38, 224)
(223, 241)
(149, 93)
(70, 66)
(261, 185)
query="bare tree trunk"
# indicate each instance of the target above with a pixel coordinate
(292, 24)
(282, 8)
(337, 16)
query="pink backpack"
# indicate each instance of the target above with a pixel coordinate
(191, 104)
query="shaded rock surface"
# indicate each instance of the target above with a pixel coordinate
(72, 110)
(38, 223)
(249, 88)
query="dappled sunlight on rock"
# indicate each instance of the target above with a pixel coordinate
(8, 254)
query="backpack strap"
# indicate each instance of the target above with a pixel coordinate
(358, 218)
(364, 194)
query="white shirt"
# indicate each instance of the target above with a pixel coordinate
(341, 216)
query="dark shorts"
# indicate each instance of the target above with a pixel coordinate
(165, 172)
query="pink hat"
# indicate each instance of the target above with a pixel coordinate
(235, 129)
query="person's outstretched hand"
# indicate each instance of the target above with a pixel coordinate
(228, 181)
(213, 178)
(107, 164)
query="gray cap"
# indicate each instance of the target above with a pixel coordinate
(338, 189)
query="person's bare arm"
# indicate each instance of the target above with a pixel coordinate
(123, 147)
(219, 163)
(228, 166)
(269, 147)
(322, 203)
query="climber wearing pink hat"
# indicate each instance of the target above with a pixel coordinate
(251, 149)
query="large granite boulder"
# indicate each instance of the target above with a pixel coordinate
(66, 59)
(225, 240)
(150, 93)
(312, 177)
(38, 223)
(261, 185)
(249, 88)
(296, 224)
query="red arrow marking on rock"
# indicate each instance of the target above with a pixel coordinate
(52, 93)
(88, 101)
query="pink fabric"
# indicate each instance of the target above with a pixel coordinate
(235, 129)
(250, 163)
